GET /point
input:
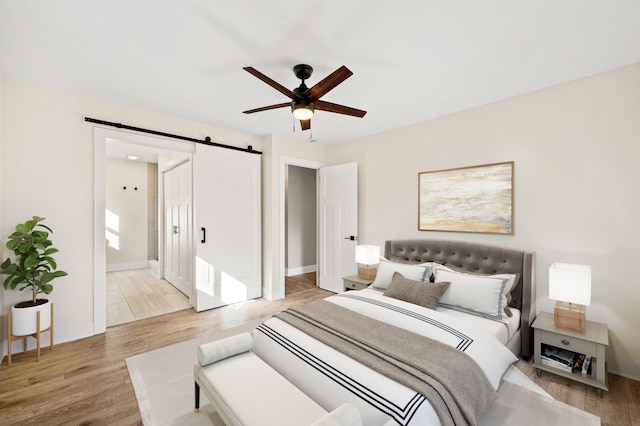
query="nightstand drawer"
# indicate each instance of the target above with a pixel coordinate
(351, 285)
(570, 343)
(354, 282)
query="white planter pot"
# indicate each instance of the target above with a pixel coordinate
(24, 320)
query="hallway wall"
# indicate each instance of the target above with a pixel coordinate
(127, 214)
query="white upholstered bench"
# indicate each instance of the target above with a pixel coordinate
(245, 390)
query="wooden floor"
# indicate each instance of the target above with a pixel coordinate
(300, 282)
(618, 407)
(138, 294)
(86, 382)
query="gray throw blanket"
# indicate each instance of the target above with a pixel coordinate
(452, 381)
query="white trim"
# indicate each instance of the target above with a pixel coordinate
(277, 292)
(290, 272)
(126, 266)
(99, 247)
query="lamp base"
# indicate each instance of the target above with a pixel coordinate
(367, 272)
(569, 316)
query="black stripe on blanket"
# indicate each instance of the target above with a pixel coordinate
(465, 341)
(402, 415)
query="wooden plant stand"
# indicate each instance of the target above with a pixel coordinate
(35, 335)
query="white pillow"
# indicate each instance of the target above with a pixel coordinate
(386, 269)
(475, 294)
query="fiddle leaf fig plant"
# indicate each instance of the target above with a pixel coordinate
(33, 268)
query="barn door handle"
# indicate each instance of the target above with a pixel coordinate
(204, 235)
(175, 229)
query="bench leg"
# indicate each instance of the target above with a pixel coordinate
(197, 395)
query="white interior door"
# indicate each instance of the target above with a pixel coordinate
(227, 215)
(338, 224)
(177, 228)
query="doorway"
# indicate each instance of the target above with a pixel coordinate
(300, 229)
(129, 288)
(135, 287)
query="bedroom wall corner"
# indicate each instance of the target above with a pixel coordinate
(576, 148)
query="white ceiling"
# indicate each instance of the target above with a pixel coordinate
(412, 60)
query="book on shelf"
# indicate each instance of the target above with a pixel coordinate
(561, 355)
(579, 361)
(589, 366)
(549, 362)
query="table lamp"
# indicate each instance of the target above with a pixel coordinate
(367, 258)
(570, 286)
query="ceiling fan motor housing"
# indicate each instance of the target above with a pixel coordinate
(303, 71)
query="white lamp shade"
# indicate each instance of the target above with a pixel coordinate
(368, 255)
(570, 283)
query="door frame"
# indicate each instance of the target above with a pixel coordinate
(278, 291)
(100, 138)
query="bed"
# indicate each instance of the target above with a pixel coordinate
(330, 349)
(432, 341)
(486, 260)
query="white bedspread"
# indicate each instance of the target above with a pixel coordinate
(331, 378)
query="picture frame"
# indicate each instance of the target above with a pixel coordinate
(477, 199)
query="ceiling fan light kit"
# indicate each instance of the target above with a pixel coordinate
(304, 100)
(302, 110)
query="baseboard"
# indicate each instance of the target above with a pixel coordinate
(126, 266)
(289, 272)
(154, 266)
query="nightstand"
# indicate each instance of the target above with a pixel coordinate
(354, 282)
(592, 342)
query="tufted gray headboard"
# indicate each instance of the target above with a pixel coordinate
(484, 259)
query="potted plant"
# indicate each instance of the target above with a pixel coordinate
(33, 269)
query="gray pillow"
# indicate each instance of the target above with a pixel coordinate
(417, 292)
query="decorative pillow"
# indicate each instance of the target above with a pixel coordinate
(417, 292)
(513, 280)
(411, 271)
(475, 294)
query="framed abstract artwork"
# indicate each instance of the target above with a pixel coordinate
(469, 199)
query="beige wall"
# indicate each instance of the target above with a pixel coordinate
(129, 207)
(3, 334)
(576, 149)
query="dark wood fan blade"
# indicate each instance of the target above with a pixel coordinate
(267, 108)
(305, 124)
(279, 87)
(340, 109)
(329, 82)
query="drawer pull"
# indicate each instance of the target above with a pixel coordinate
(565, 342)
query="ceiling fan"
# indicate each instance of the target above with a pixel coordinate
(305, 100)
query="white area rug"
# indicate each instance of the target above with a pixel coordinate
(163, 382)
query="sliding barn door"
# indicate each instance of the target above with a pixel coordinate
(177, 227)
(338, 224)
(227, 214)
